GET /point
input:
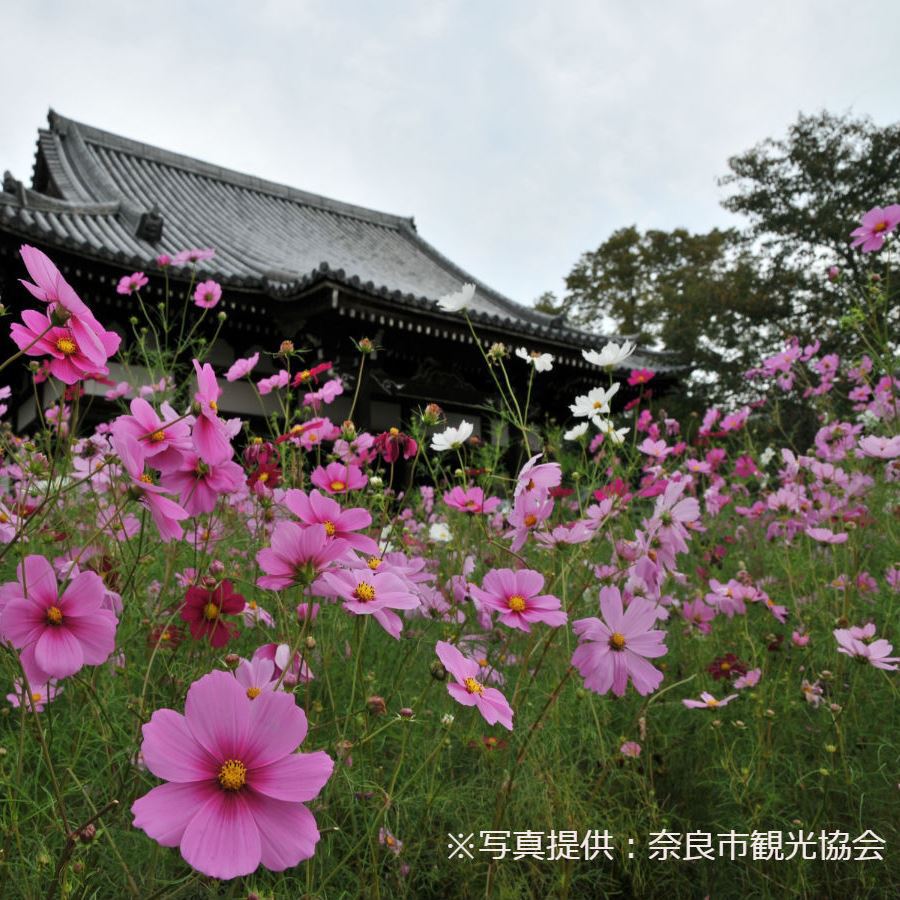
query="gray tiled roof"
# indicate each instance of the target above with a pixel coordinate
(92, 190)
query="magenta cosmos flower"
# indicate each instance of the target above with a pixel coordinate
(235, 788)
(338, 478)
(210, 435)
(516, 596)
(317, 509)
(207, 294)
(469, 691)
(471, 500)
(297, 555)
(619, 647)
(128, 284)
(242, 368)
(874, 227)
(57, 633)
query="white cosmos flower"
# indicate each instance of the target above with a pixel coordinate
(452, 438)
(460, 300)
(613, 434)
(611, 355)
(542, 362)
(594, 404)
(574, 433)
(440, 532)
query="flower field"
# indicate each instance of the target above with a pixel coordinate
(609, 654)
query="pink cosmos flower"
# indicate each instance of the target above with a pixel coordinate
(876, 653)
(166, 513)
(538, 477)
(366, 592)
(198, 485)
(338, 478)
(57, 633)
(69, 362)
(158, 440)
(880, 447)
(698, 614)
(207, 294)
(317, 509)
(297, 555)
(618, 647)
(256, 676)
(707, 701)
(194, 255)
(242, 368)
(280, 655)
(210, 435)
(235, 788)
(254, 615)
(278, 380)
(90, 337)
(37, 699)
(826, 535)
(468, 691)
(515, 596)
(874, 227)
(471, 500)
(128, 284)
(630, 748)
(751, 679)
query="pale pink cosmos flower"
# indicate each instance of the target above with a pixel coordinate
(707, 701)
(256, 676)
(35, 699)
(366, 592)
(826, 535)
(751, 679)
(194, 255)
(235, 788)
(876, 653)
(874, 226)
(296, 671)
(469, 691)
(317, 509)
(278, 380)
(617, 648)
(253, 614)
(158, 440)
(698, 614)
(631, 749)
(515, 596)
(207, 294)
(128, 284)
(538, 477)
(58, 633)
(880, 447)
(242, 367)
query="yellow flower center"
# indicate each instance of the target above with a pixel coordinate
(252, 604)
(712, 703)
(54, 616)
(213, 406)
(617, 641)
(313, 437)
(329, 528)
(725, 666)
(390, 841)
(364, 592)
(394, 432)
(491, 742)
(211, 612)
(263, 477)
(373, 562)
(482, 662)
(4, 518)
(253, 692)
(473, 686)
(157, 436)
(598, 404)
(516, 603)
(147, 479)
(66, 346)
(530, 520)
(233, 775)
(305, 375)
(338, 486)
(881, 226)
(36, 697)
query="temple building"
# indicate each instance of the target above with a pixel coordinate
(292, 265)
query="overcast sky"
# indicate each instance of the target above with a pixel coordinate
(519, 134)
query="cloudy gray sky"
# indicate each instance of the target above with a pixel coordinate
(519, 134)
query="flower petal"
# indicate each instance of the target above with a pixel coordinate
(171, 751)
(165, 812)
(222, 839)
(298, 777)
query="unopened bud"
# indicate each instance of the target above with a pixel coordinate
(286, 348)
(376, 705)
(365, 346)
(59, 315)
(88, 833)
(406, 713)
(216, 567)
(432, 414)
(310, 643)
(232, 660)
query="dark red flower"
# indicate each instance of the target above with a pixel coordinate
(727, 666)
(165, 636)
(389, 445)
(203, 610)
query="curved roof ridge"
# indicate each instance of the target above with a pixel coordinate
(61, 125)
